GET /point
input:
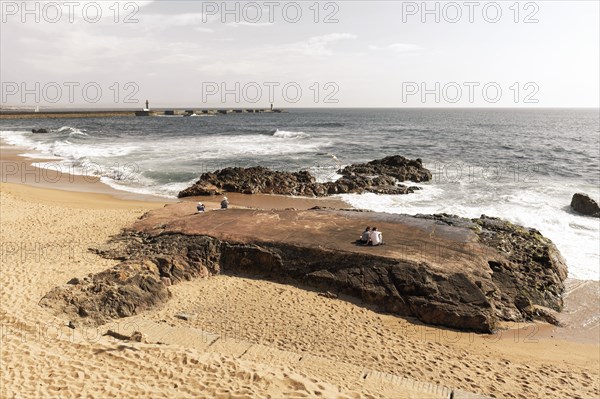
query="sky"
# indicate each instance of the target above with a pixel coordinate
(300, 54)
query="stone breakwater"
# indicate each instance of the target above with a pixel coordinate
(468, 274)
(378, 176)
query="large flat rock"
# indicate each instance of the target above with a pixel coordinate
(406, 237)
(445, 270)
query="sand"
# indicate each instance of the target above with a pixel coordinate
(245, 337)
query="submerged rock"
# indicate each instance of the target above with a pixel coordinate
(379, 176)
(583, 204)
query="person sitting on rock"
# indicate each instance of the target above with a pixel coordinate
(375, 238)
(224, 203)
(200, 207)
(364, 238)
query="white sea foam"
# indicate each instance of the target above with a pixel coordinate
(545, 208)
(46, 157)
(72, 131)
(68, 149)
(18, 138)
(168, 190)
(228, 147)
(111, 161)
(284, 134)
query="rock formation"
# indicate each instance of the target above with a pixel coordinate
(468, 274)
(583, 204)
(396, 166)
(531, 269)
(379, 176)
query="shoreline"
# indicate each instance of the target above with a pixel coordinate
(22, 171)
(19, 169)
(95, 211)
(68, 188)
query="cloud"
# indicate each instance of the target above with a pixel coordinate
(398, 48)
(203, 30)
(271, 60)
(231, 68)
(319, 45)
(84, 52)
(92, 49)
(93, 11)
(141, 3)
(178, 59)
(245, 23)
(159, 22)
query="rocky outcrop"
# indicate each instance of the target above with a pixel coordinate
(531, 270)
(583, 204)
(132, 286)
(380, 176)
(39, 130)
(128, 289)
(468, 274)
(201, 189)
(398, 167)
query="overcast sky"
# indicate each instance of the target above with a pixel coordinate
(349, 54)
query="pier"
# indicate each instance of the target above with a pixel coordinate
(205, 112)
(29, 114)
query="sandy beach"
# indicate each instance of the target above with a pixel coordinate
(242, 337)
(300, 199)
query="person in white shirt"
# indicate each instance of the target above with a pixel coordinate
(376, 238)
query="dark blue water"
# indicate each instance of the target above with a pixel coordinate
(523, 165)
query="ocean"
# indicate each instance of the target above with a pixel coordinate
(523, 165)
